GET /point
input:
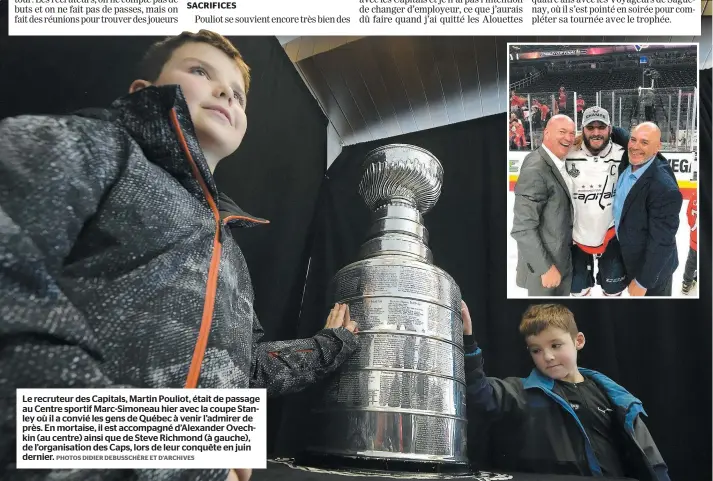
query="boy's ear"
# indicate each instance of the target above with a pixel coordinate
(579, 341)
(138, 84)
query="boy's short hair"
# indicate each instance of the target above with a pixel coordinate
(539, 317)
(159, 53)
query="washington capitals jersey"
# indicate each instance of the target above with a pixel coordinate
(593, 187)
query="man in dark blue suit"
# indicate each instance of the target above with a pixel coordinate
(647, 205)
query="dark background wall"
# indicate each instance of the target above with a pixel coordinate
(660, 350)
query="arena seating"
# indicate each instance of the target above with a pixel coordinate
(676, 77)
(587, 83)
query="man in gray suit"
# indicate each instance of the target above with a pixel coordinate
(543, 214)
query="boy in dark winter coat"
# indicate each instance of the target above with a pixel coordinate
(561, 419)
(117, 263)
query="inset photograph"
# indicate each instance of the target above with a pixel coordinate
(602, 170)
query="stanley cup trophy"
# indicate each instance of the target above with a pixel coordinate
(400, 398)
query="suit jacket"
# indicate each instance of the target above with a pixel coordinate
(649, 222)
(542, 220)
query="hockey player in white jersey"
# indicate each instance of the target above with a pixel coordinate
(593, 167)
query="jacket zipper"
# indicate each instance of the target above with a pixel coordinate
(212, 284)
(277, 353)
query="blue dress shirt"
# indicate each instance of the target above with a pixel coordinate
(626, 181)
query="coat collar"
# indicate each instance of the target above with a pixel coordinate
(233, 216)
(616, 393)
(555, 171)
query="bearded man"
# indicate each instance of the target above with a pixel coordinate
(593, 167)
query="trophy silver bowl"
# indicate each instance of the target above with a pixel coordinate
(401, 396)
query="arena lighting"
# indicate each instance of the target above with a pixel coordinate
(564, 51)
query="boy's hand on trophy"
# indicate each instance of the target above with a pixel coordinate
(336, 317)
(349, 324)
(467, 322)
(239, 474)
(339, 317)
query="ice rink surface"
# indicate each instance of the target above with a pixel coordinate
(682, 243)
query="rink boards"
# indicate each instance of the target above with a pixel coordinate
(684, 166)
